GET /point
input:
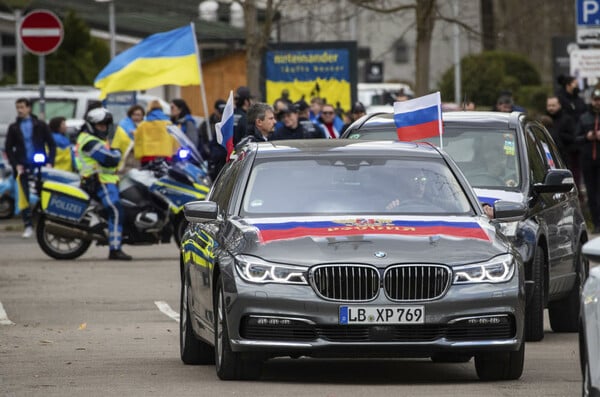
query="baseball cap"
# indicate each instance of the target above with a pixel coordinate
(291, 108)
(358, 107)
(243, 92)
(220, 105)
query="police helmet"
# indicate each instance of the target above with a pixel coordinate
(99, 116)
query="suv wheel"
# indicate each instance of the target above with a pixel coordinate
(534, 313)
(564, 313)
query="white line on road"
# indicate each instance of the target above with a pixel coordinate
(5, 321)
(166, 309)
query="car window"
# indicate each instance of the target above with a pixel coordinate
(224, 185)
(56, 107)
(488, 157)
(537, 159)
(552, 159)
(353, 186)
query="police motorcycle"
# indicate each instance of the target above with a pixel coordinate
(69, 220)
(8, 187)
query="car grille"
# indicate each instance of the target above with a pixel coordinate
(461, 331)
(416, 282)
(345, 282)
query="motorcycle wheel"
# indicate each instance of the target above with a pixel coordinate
(59, 247)
(7, 208)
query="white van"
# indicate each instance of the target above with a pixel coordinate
(378, 97)
(70, 102)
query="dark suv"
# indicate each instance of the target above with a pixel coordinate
(509, 157)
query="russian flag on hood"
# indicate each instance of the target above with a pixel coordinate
(419, 118)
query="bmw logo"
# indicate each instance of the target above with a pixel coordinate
(380, 254)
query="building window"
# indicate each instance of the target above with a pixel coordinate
(400, 51)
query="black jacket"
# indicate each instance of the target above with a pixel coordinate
(587, 123)
(41, 137)
(240, 125)
(571, 104)
(284, 132)
(563, 133)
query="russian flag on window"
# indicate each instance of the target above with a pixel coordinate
(419, 118)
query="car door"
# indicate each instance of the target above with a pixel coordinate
(209, 247)
(559, 216)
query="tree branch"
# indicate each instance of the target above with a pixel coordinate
(459, 23)
(366, 4)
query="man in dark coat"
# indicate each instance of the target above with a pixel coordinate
(26, 137)
(291, 128)
(562, 128)
(243, 100)
(588, 141)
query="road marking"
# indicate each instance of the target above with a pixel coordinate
(166, 309)
(5, 321)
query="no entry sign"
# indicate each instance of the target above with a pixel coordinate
(41, 32)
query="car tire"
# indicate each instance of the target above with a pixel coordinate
(7, 207)
(230, 365)
(564, 313)
(193, 350)
(500, 365)
(451, 358)
(534, 313)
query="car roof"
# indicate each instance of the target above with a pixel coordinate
(315, 147)
(500, 120)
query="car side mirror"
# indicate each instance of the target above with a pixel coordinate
(556, 181)
(201, 211)
(591, 250)
(509, 211)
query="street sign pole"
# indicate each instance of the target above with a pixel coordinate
(41, 33)
(42, 83)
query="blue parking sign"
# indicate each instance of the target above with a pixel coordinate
(588, 13)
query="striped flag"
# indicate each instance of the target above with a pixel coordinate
(224, 128)
(419, 118)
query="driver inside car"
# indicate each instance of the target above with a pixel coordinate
(412, 188)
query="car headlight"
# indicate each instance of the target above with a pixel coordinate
(256, 270)
(497, 270)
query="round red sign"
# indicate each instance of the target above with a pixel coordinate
(41, 32)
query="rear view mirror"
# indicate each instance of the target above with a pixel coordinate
(201, 211)
(509, 211)
(556, 181)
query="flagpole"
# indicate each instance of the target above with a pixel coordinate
(202, 90)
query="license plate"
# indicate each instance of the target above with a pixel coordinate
(382, 314)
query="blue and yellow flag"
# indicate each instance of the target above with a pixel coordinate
(163, 58)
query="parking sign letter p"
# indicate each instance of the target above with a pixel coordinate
(590, 8)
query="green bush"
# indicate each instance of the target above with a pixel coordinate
(484, 75)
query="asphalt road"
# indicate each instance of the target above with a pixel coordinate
(91, 327)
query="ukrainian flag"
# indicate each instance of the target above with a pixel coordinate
(163, 58)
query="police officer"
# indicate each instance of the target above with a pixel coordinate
(98, 167)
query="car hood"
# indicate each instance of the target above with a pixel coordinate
(490, 196)
(378, 240)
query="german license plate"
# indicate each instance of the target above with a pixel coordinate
(382, 314)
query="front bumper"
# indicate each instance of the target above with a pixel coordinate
(280, 320)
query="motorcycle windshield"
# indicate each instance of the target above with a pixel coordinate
(185, 142)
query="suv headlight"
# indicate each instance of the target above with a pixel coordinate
(497, 270)
(256, 270)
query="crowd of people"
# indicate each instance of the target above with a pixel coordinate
(102, 153)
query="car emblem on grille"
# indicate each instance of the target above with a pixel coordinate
(380, 254)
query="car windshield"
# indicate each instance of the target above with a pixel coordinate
(488, 157)
(353, 186)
